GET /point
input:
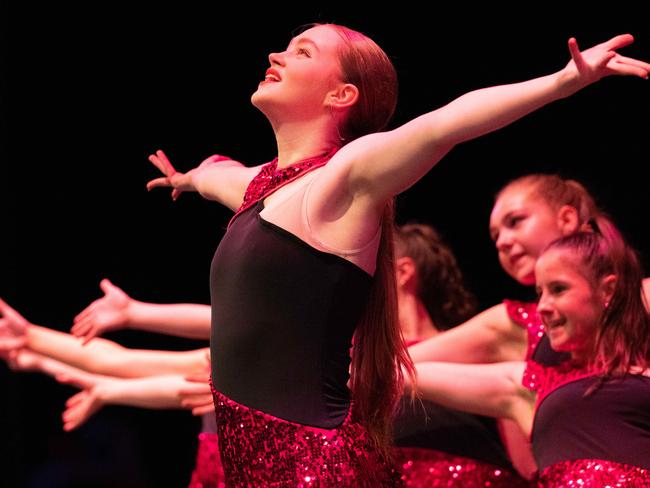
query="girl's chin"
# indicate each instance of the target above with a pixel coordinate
(527, 280)
(523, 278)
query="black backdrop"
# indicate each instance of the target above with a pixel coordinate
(89, 92)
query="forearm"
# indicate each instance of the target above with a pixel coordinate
(486, 338)
(482, 111)
(54, 368)
(108, 358)
(68, 349)
(224, 182)
(385, 164)
(181, 319)
(459, 345)
(156, 392)
(491, 389)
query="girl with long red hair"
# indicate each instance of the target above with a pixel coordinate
(306, 261)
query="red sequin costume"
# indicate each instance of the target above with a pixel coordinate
(441, 447)
(259, 449)
(585, 473)
(525, 315)
(548, 379)
(424, 468)
(208, 472)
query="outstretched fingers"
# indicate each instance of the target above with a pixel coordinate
(161, 162)
(631, 66)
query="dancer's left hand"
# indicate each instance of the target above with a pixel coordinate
(601, 60)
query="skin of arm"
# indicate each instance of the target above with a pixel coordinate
(156, 392)
(117, 310)
(488, 337)
(190, 320)
(381, 165)
(494, 389)
(108, 358)
(217, 178)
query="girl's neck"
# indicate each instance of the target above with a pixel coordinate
(414, 320)
(297, 141)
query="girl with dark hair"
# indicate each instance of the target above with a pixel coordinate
(434, 445)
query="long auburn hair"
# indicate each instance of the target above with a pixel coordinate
(623, 336)
(440, 284)
(379, 355)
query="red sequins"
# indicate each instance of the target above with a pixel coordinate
(270, 178)
(258, 449)
(593, 473)
(426, 468)
(208, 472)
(546, 379)
(525, 314)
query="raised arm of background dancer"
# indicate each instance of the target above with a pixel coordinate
(217, 178)
(381, 165)
(488, 337)
(494, 390)
(157, 392)
(117, 310)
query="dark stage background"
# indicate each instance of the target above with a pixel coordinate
(88, 93)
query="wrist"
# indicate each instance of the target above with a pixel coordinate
(103, 394)
(567, 82)
(131, 312)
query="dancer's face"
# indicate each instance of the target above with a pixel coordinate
(300, 78)
(569, 305)
(521, 226)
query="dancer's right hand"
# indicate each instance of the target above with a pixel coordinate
(111, 312)
(179, 182)
(13, 328)
(198, 396)
(83, 405)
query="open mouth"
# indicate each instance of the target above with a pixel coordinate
(272, 76)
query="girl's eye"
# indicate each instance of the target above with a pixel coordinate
(515, 220)
(303, 52)
(556, 289)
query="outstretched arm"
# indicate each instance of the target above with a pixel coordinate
(217, 178)
(24, 360)
(101, 356)
(488, 337)
(106, 357)
(157, 392)
(486, 389)
(117, 310)
(381, 165)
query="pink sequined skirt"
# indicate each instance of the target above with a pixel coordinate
(208, 472)
(260, 450)
(593, 473)
(426, 468)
